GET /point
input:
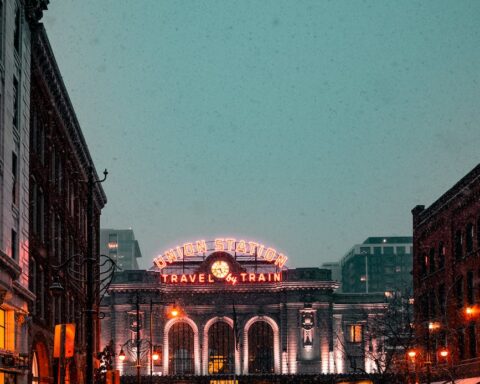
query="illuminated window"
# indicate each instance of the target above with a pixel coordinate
(2, 329)
(220, 348)
(354, 333)
(180, 350)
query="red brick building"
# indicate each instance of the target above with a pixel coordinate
(446, 278)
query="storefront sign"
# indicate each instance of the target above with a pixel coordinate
(231, 245)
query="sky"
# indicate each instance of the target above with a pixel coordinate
(306, 125)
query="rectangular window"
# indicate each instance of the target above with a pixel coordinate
(365, 250)
(459, 292)
(470, 289)
(400, 250)
(2, 329)
(354, 333)
(472, 340)
(461, 343)
(16, 33)
(14, 178)
(42, 293)
(14, 244)
(40, 214)
(16, 102)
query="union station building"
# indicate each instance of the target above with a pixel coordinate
(231, 306)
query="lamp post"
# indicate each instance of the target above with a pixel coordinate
(140, 346)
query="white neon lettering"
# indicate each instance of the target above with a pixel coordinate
(281, 260)
(171, 256)
(160, 262)
(277, 276)
(261, 277)
(201, 246)
(188, 249)
(183, 279)
(260, 250)
(270, 254)
(252, 246)
(219, 245)
(230, 243)
(251, 277)
(241, 247)
(201, 278)
(173, 278)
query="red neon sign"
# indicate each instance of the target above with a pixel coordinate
(231, 278)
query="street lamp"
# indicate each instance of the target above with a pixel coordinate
(138, 348)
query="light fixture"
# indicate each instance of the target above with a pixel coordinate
(155, 356)
(121, 355)
(443, 353)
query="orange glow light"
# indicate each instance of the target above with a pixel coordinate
(155, 356)
(174, 312)
(412, 354)
(469, 311)
(443, 353)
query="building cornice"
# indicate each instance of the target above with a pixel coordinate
(34, 10)
(43, 61)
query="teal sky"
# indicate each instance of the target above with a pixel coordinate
(307, 125)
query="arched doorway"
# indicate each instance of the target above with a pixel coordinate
(181, 349)
(260, 348)
(221, 349)
(40, 364)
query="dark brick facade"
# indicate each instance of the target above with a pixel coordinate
(446, 274)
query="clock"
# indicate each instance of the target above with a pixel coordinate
(220, 269)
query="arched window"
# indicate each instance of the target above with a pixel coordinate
(469, 238)
(180, 349)
(458, 245)
(221, 349)
(260, 348)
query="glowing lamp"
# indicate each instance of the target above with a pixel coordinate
(411, 354)
(121, 355)
(155, 356)
(469, 311)
(174, 312)
(443, 353)
(432, 326)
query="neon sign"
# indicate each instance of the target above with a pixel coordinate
(202, 247)
(231, 278)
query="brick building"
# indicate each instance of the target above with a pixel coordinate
(446, 276)
(59, 163)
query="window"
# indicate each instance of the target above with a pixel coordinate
(180, 350)
(260, 348)
(441, 255)
(14, 244)
(441, 298)
(431, 260)
(461, 343)
(365, 250)
(469, 238)
(459, 292)
(478, 233)
(401, 250)
(14, 178)
(470, 288)
(220, 348)
(16, 33)
(2, 329)
(42, 292)
(472, 340)
(458, 245)
(423, 264)
(40, 214)
(16, 101)
(32, 283)
(354, 333)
